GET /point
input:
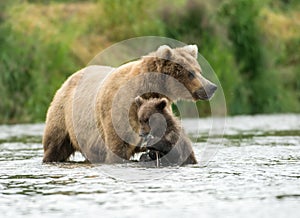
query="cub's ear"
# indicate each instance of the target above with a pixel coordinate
(192, 49)
(139, 101)
(162, 103)
(164, 52)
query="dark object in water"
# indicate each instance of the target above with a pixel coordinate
(151, 155)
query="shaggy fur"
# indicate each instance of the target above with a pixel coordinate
(167, 136)
(101, 122)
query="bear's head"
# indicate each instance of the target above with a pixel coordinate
(181, 63)
(159, 130)
(154, 116)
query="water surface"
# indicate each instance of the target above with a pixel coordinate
(255, 173)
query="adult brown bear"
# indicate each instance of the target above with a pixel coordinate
(94, 110)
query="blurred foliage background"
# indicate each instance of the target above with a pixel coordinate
(253, 46)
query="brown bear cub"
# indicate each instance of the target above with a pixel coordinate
(162, 134)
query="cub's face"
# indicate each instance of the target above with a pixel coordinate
(151, 116)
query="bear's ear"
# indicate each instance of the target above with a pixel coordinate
(192, 49)
(161, 104)
(139, 101)
(164, 52)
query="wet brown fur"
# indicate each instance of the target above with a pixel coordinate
(59, 138)
(174, 143)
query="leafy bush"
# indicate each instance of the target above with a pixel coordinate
(43, 42)
(264, 91)
(31, 69)
(123, 19)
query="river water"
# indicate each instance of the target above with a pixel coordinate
(255, 172)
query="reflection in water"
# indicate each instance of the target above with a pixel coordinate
(255, 173)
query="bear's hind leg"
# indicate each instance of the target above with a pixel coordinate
(58, 151)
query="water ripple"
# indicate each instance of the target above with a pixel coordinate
(255, 173)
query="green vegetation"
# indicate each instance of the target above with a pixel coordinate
(252, 45)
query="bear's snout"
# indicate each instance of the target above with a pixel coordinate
(206, 92)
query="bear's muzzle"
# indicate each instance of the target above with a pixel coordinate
(206, 92)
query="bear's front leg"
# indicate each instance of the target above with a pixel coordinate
(119, 153)
(162, 146)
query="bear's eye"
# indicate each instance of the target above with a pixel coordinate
(146, 120)
(191, 75)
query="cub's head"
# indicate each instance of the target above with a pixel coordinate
(153, 115)
(181, 63)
